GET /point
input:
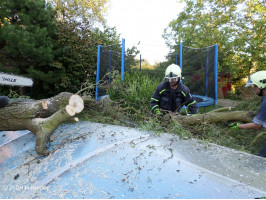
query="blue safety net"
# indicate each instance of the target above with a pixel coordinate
(112, 58)
(110, 61)
(198, 70)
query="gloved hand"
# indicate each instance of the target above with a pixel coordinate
(192, 115)
(157, 112)
(234, 125)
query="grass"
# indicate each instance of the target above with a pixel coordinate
(135, 93)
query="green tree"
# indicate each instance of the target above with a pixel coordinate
(79, 55)
(237, 26)
(87, 11)
(27, 36)
(26, 31)
(77, 41)
(57, 49)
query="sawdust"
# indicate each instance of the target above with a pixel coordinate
(96, 165)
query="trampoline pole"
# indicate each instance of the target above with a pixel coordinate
(110, 59)
(215, 72)
(98, 71)
(206, 72)
(180, 56)
(123, 60)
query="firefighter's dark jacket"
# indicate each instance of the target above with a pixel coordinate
(168, 99)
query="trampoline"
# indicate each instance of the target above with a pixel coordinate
(99, 161)
(203, 101)
(199, 68)
(200, 72)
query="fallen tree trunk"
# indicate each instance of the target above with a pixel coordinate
(40, 117)
(215, 116)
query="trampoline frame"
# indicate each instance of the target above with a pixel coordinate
(207, 101)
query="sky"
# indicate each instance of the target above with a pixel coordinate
(143, 21)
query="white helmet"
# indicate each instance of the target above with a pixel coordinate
(172, 73)
(258, 79)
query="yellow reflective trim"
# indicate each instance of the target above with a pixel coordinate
(154, 99)
(154, 107)
(191, 103)
(184, 94)
(162, 91)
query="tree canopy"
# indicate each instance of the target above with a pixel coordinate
(237, 26)
(82, 10)
(26, 33)
(54, 42)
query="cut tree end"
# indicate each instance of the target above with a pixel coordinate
(70, 110)
(44, 105)
(77, 103)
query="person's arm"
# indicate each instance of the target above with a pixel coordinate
(154, 103)
(258, 121)
(191, 103)
(250, 126)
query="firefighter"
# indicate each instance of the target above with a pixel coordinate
(258, 82)
(171, 95)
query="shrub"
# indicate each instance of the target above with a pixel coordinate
(135, 91)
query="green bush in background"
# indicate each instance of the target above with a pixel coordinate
(135, 91)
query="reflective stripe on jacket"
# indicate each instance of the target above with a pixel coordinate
(172, 100)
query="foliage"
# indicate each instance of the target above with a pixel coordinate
(28, 33)
(250, 104)
(27, 30)
(85, 10)
(156, 71)
(236, 26)
(58, 55)
(130, 55)
(58, 49)
(146, 65)
(135, 91)
(78, 57)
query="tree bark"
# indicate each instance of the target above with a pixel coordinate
(40, 117)
(216, 116)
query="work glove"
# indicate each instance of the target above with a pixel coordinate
(157, 112)
(234, 125)
(192, 114)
